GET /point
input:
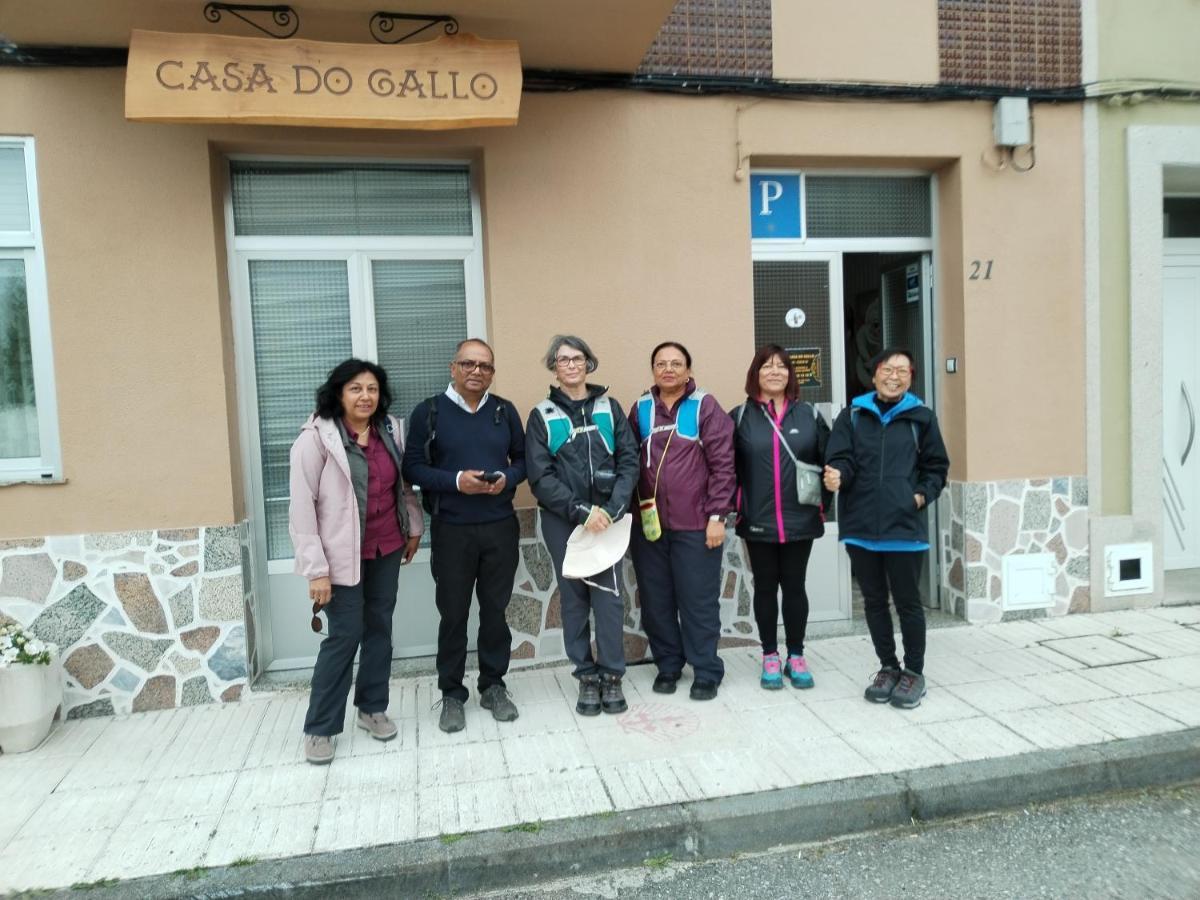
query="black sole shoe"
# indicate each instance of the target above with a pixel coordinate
(703, 690)
(665, 684)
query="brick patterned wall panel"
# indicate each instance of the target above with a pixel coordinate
(1012, 43)
(713, 37)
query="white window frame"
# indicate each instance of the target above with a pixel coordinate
(27, 246)
(358, 252)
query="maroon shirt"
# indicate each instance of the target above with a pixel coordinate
(382, 534)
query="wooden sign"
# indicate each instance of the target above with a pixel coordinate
(459, 81)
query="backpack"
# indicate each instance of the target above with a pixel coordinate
(560, 430)
(687, 416)
(430, 499)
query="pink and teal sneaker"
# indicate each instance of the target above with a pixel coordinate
(771, 678)
(797, 670)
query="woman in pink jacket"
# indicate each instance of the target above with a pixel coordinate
(353, 523)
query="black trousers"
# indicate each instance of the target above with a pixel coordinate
(900, 572)
(679, 585)
(775, 565)
(480, 559)
(359, 615)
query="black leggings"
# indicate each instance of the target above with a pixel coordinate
(774, 565)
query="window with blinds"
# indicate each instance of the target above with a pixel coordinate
(346, 200)
(14, 190)
(314, 303)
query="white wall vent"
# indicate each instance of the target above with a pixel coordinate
(1028, 581)
(1128, 569)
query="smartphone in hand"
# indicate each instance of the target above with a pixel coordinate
(491, 477)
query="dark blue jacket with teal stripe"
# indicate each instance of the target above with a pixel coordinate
(884, 459)
(583, 472)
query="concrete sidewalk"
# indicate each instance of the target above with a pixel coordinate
(185, 790)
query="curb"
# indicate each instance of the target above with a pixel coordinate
(692, 831)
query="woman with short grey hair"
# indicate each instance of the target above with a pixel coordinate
(582, 463)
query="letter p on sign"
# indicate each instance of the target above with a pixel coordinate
(775, 206)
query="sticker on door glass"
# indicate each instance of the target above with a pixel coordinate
(795, 317)
(807, 363)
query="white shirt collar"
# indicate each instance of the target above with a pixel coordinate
(462, 404)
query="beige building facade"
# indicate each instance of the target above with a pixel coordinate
(141, 539)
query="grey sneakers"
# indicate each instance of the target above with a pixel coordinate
(378, 724)
(882, 685)
(589, 696)
(909, 691)
(612, 698)
(318, 749)
(497, 699)
(453, 717)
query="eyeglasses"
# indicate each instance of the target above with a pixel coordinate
(675, 365)
(889, 371)
(470, 365)
(571, 362)
(316, 619)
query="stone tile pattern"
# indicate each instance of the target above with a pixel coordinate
(713, 37)
(534, 614)
(988, 520)
(145, 619)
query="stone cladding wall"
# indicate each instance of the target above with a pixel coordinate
(144, 619)
(156, 619)
(988, 520)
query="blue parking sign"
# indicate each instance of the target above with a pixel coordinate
(775, 206)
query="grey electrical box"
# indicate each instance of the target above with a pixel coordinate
(1010, 122)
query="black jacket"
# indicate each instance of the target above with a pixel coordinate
(885, 460)
(566, 484)
(754, 458)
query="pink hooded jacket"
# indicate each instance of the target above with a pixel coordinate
(323, 518)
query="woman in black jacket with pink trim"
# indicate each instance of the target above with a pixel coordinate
(771, 428)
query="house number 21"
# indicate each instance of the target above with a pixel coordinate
(981, 270)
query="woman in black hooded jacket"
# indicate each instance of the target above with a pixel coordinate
(778, 529)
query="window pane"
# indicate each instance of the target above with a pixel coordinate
(18, 406)
(14, 190)
(350, 200)
(1181, 217)
(860, 206)
(301, 315)
(782, 286)
(793, 284)
(420, 316)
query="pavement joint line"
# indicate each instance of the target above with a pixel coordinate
(689, 831)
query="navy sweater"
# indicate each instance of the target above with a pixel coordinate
(490, 439)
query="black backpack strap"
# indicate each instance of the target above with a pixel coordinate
(430, 427)
(502, 410)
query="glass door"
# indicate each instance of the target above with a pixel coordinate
(307, 313)
(798, 305)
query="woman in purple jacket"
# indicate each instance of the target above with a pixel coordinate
(685, 491)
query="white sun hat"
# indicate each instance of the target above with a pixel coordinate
(589, 553)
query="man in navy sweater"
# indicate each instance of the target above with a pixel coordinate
(469, 464)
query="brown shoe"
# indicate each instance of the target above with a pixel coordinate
(318, 749)
(381, 727)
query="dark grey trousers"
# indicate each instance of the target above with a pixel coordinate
(578, 599)
(358, 615)
(679, 584)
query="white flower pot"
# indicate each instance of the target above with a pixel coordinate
(29, 698)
